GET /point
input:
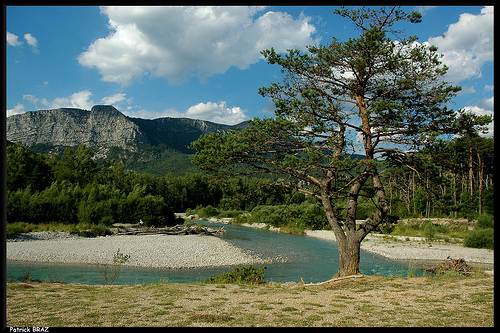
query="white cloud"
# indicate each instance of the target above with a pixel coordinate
(178, 42)
(487, 87)
(13, 40)
(79, 100)
(467, 45)
(30, 98)
(113, 99)
(487, 103)
(32, 41)
(424, 9)
(19, 108)
(218, 113)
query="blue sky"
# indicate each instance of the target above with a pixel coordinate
(202, 62)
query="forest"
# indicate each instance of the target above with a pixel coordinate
(453, 179)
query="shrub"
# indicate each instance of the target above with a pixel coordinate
(239, 275)
(111, 272)
(429, 230)
(387, 225)
(485, 221)
(19, 228)
(480, 238)
(210, 211)
(96, 230)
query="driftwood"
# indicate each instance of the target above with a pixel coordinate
(454, 265)
(357, 276)
(175, 230)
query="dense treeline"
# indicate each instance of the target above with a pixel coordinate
(455, 179)
(73, 188)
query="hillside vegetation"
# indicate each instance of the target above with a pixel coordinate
(80, 194)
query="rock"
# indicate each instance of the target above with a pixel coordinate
(104, 127)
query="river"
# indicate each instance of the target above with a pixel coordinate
(308, 258)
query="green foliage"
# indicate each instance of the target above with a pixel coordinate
(388, 224)
(25, 168)
(480, 238)
(483, 235)
(297, 217)
(111, 272)
(19, 228)
(430, 230)
(95, 230)
(77, 166)
(103, 197)
(485, 221)
(239, 275)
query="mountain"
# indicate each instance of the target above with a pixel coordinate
(157, 146)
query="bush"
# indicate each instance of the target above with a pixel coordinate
(485, 221)
(480, 239)
(96, 230)
(239, 275)
(387, 225)
(19, 228)
(430, 230)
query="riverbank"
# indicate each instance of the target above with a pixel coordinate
(148, 251)
(414, 249)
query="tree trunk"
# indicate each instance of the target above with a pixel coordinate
(471, 172)
(480, 176)
(349, 257)
(349, 248)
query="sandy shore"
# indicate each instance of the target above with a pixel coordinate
(151, 251)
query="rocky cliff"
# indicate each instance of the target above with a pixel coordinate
(110, 134)
(103, 125)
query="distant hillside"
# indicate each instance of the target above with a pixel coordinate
(157, 146)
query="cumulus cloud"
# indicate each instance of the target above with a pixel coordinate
(487, 103)
(215, 112)
(113, 99)
(467, 45)
(13, 40)
(32, 41)
(79, 100)
(179, 42)
(19, 108)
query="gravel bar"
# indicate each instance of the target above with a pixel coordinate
(414, 248)
(150, 251)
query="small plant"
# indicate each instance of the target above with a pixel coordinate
(96, 230)
(111, 272)
(27, 273)
(239, 275)
(429, 231)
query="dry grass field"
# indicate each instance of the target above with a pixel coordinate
(369, 301)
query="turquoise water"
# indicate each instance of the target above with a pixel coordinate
(308, 258)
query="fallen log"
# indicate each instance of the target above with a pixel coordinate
(176, 230)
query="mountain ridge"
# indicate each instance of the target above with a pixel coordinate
(157, 146)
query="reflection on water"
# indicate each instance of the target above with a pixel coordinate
(292, 258)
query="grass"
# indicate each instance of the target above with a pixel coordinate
(440, 232)
(82, 229)
(447, 300)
